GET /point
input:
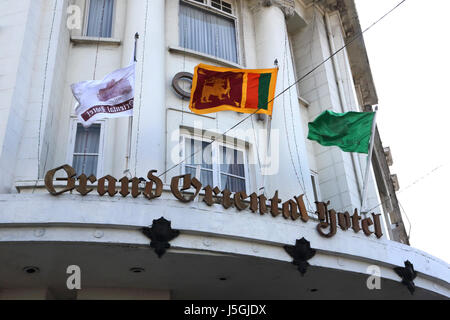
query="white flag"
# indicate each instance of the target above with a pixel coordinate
(111, 97)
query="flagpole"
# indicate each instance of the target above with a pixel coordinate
(369, 159)
(269, 135)
(263, 171)
(130, 119)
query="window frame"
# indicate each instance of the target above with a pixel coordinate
(244, 152)
(314, 176)
(215, 157)
(210, 2)
(86, 20)
(206, 5)
(198, 166)
(71, 145)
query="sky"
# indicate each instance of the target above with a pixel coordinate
(409, 57)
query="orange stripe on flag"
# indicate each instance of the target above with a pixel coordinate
(252, 91)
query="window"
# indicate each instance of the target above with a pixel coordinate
(217, 164)
(218, 4)
(86, 149)
(232, 169)
(200, 164)
(99, 18)
(209, 32)
(221, 5)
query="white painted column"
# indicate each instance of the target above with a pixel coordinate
(271, 44)
(19, 146)
(149, 112)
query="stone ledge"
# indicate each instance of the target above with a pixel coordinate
(95, 40)
(197, 54)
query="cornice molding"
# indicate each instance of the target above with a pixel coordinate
(287, 6)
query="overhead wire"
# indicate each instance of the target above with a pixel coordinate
(98, 40)
(141, 89)
(269, 141)
(44, 86)
(355, 37)
(184, 70)
(407, 218)
(286, 71)
(293, 128)
(404, 189)
(409, 186)
(83, 166)
(257, 147)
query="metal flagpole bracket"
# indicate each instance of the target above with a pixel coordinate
(184, 94)
(136, 38)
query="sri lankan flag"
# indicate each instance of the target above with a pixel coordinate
(217, 89)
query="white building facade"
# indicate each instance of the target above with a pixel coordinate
(218, 251)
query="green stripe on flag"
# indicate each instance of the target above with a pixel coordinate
(263, 90)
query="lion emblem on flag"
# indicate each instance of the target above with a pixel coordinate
(219, 88)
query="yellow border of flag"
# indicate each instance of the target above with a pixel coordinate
(242, 109)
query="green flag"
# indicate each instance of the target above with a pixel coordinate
(349, 131)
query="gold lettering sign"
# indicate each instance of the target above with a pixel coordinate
(293, 209)
(71, 174)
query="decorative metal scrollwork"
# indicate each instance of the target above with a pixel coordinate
(160, 233)
(408, 274)
(301, 253)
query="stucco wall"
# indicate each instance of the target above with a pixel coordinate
(33, 32)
